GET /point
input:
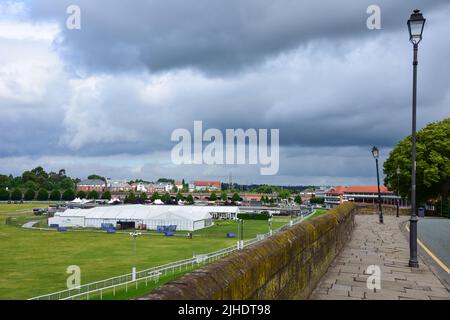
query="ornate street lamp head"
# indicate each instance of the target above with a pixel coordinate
(375, 152)
(415, 26)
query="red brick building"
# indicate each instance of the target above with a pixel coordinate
(89, 185)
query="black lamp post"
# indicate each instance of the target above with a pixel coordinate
(398, 192)
(415, 26)
(376, 154)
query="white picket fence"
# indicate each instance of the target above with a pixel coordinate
(98, 288)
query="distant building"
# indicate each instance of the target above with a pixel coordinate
(363, 194)
(179, 185)
(119, 186)
(160, 187)
(92, 185)
(141, 187)
(313, 193)
(202, 185)
(320, 192)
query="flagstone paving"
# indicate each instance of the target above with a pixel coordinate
(385, 246)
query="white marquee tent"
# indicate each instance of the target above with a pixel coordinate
(187, 218)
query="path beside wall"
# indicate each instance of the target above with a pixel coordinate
(385, 246)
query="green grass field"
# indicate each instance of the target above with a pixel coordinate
(317, 213)
(34, 262)
(17, 208)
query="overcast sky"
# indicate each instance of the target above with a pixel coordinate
(105, 99)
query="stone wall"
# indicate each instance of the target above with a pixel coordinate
(369, 208)
(286, 266)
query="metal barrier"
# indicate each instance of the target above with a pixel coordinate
(154, 273)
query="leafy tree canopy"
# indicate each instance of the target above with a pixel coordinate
(190, 199)
(93, 194)
(155, 196)
(29, 194)
(96, 177)
(68, 195)
(432, 163)
(16, 194)
(55, 195)
(42, 195)
(81, 194)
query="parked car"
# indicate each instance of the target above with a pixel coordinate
(39, 211)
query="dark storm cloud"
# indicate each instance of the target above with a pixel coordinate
(211, 36)
(144, 68)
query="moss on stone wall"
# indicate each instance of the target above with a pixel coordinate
(287, 265)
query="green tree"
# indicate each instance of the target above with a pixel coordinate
(16, 194)
(318, 200)
(143, 196)
(68, 195)
(432, 164)
(106, 195)
(213, 196)
(42, 195)
(179, 196)
(284, 193)
(81, 194)
(190, 199)
(166, 198)
(235, 197)
(55, 195)
(4, 194)
(30, 185)
(93, 194)
(66, 183)
(155, 196)
(223, 196)
(95, 177)
(298, 199)
(29, 194)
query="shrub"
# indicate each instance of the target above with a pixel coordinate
(68, 195)
(254, 216)
(93, 195)
(29, 194)
(106, 195)
(55, 195)
(42, 195)
(4, 194)
(16, 194)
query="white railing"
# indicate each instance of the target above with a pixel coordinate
(99, 287)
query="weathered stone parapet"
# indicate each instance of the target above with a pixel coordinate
(287, 265)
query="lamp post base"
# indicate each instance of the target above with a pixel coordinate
(413, 263)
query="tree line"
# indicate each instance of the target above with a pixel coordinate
(37, 184)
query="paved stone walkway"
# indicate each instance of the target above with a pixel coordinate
(387, 247)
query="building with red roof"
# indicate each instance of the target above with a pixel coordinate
(363, 194)
(203, 185)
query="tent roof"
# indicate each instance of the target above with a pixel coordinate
(138, 212)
